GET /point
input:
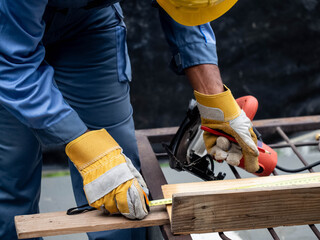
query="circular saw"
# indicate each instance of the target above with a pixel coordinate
(187, 151)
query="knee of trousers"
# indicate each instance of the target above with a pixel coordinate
(20, 160)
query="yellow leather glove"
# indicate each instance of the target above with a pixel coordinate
(109, 178)
(221, 112)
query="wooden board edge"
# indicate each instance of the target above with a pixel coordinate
(157, 217)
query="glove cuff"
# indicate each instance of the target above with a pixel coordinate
(90, 147)
(224, 101)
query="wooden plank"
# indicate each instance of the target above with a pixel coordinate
(170, 189)
(244, 209)
(58, 223)
(224, 209)
(244, 203)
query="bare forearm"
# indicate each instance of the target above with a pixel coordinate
(205, 78)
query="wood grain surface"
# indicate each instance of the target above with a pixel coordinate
(240, 204)
(58, 223)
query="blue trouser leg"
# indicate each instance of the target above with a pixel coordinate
(92, 71)
(20, 173)
(88, 52)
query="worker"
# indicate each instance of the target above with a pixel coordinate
(64, 80)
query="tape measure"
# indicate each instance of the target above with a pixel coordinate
(164, 201)
(298, 181)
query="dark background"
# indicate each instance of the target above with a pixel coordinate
(268, 49)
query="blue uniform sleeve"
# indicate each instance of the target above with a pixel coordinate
(189, 45)
(27, 88)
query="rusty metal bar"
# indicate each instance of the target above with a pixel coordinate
(235, 172)
(223, 236)
(154, 178)
(315, 230)
(273, 234)
(294, 148)
(299, 144)
(290, 125)
(266, 126)
(150, 167)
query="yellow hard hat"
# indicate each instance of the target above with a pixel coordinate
(195, 12)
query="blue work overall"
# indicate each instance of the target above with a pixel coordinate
(63, 70)
(92, 72)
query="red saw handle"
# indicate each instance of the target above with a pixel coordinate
(230, 138)
(249, 105)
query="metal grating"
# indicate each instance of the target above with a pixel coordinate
(282, 127)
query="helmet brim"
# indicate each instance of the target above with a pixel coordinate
(196, 17)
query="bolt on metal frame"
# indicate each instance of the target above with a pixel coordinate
(155, 178)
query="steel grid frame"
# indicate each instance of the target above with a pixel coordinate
(154, 176)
